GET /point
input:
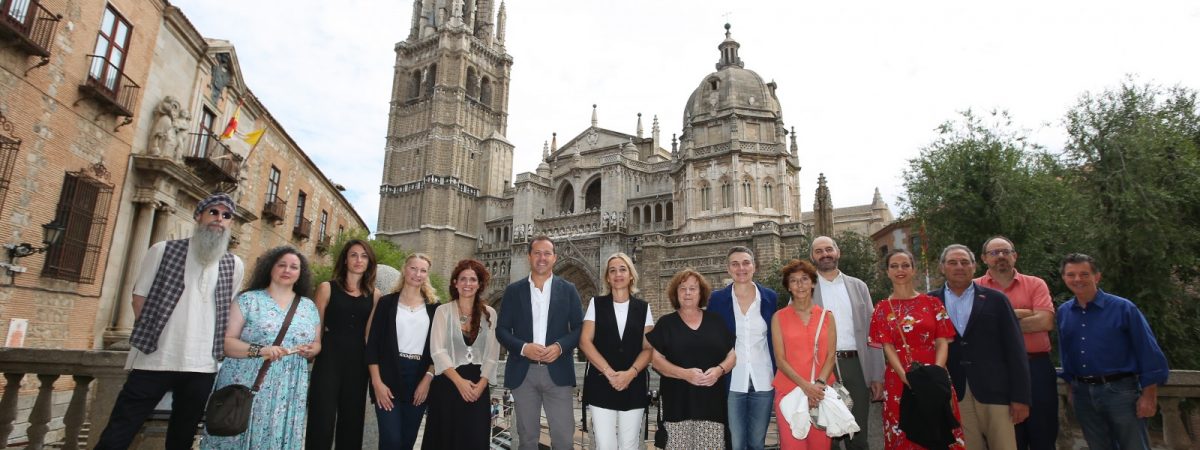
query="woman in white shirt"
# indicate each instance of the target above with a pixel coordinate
(397, 355)
(613, 339)
(465, 354)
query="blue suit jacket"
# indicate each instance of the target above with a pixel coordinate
(721, 303)
(990, 356)
(514, 329)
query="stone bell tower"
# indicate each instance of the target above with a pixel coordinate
(446, 153)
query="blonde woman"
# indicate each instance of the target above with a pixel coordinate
(398, 357)
(613, 339)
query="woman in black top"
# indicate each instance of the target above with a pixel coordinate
(693, 350)
(398, 357)
(613, 339)
(338, 387)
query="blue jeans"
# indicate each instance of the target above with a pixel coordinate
(1107, 414)
(749, 415)
(398, 428)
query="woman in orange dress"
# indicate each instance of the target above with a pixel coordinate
(794, 329)
(910, 327)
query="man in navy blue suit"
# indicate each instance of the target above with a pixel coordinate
(987, 362)
(539, 323)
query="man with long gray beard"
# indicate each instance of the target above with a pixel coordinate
(181, 303)
(849, 300)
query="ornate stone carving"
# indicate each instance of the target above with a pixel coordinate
(170, 129)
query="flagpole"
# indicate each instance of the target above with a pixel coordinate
(252, 147)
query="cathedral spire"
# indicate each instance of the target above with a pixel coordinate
(594, 121)
(794, 150)
(822, 209)
(501, 18)
(729, 51)
(553, 142)
(639, 126)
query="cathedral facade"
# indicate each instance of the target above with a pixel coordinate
(731, 177)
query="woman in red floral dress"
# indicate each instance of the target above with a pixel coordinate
(927, 332)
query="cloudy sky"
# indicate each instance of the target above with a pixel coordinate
(864, 83)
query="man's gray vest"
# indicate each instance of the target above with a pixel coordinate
(165, 292)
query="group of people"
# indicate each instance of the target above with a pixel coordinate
(964, 366)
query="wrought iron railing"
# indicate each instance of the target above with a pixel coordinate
(210, 156)
(109, 85)
(275, 208)
(31, 24)
(303, 228)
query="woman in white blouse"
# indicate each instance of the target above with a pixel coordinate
(397, 355)
(465, 355)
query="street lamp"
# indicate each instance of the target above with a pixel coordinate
(51, 235)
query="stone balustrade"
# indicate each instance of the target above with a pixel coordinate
(1181, 385)
(106, 368)
(91, 403)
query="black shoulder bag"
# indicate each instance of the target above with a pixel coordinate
(229, 408)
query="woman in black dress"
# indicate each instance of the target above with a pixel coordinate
(462, 343)
(338, 388)
(693, 350)
(613, 339)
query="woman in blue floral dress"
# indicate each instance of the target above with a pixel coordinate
(277, 419)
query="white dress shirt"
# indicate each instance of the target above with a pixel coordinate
(753, 356)
(540, 307)
(836, 299)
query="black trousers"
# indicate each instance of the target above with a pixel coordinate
(337, 398)
(142, 392)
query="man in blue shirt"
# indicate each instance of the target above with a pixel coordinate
(1110, 358)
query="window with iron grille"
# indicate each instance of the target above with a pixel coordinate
(9, 147)
(83, 210)
(300, 200)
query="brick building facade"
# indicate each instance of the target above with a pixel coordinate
(109, 122)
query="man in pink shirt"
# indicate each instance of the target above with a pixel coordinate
(1030, 299)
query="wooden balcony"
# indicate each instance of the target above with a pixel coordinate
(324, 242)
(275, 209)
(29, 26)
(303, 229)
(212, 160)
(114, 91)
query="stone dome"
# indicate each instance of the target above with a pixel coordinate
(731, 86)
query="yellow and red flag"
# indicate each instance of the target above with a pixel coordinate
(233, 123)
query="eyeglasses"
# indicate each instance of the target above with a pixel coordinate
(224, 215)
(1001, 252)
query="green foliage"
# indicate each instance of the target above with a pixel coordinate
(979, 179)
(1134, 152)
(386, 253)
(860, 260)
(1125, 190)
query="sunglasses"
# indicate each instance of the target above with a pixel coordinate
(224, 215)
